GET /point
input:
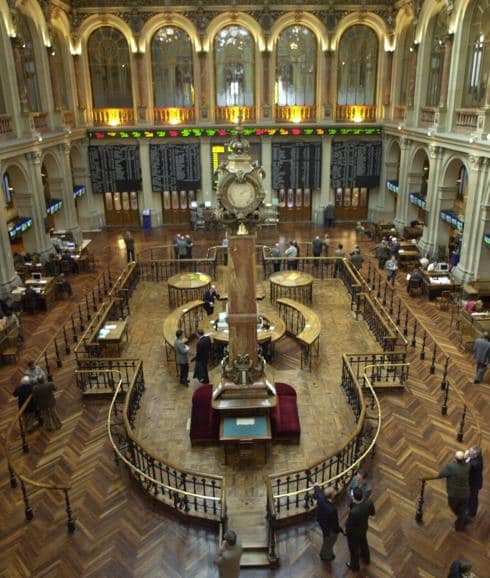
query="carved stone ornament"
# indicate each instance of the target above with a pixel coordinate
(242, 371)
(434, 151)
(476, 163)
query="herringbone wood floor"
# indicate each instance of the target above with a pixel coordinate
(120, 533)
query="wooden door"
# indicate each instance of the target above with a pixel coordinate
(176, 206)
(121, 209)
(351, 203)
(294, 205)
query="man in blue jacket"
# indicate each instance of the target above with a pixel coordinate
(328, 519)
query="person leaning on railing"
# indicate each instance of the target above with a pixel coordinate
(457, 474)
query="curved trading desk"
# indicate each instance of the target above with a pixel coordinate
(295, 285)
(185, 287)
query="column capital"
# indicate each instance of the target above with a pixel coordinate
(478, 163)
(435, 151)
(405, 143)
(34, 157)
(65, 148)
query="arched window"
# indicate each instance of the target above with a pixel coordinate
(295, 67)
(59, 74)
(436, 63)
(28, 61)
(234, 67)
(108, 56)
(478, 59)
(358, 55)
(171, 59)
(408, 63)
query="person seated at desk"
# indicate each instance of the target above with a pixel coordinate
(424, 262)
(64, 284)
(473, 306)
(72, 264)
(414, 278)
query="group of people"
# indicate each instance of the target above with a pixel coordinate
(386, 252)
(361, 508)
(42, 405)
(201, 358)
(182, 246)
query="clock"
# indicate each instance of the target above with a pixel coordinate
(240, 196)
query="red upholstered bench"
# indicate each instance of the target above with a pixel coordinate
(284, 417)
(204, 419)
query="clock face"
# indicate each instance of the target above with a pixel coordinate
(241, 195)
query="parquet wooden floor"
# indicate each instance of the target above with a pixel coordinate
(121, 533)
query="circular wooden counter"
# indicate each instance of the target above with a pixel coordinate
(295, 285)
(185, 287)
(272, 329)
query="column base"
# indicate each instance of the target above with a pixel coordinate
(460, 273)
(426, 248)
(7, 286)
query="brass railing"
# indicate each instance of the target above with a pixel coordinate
(174, 115)
(295, 113)
(192, 493)
(113, 116)
(355, 113)
(232, 114)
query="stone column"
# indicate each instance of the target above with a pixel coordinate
(8, 276)
(203, 86)
(474, 220)
(427, 243)
(142, 104)
(149, 200)
(448, 44)
(327, 108)
(401, 220)
(381, 203)
(267, 164)
(63, 189)
(326, 193)
(206, 177)
(482, 253)
(266, 84)
(37, 239)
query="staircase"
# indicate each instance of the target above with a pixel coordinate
(251, 528)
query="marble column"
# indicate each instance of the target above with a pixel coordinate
(206, 177)
(32, 204)
(469, 263)
(8, 275)
(326, 193)
(482, 253)
(401, 220)
(427, 243)
(443, 97)
(67, 219)
(266, 85)
(267, 164)
(382, 205)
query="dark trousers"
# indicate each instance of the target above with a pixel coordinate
(459, 507)
(277, 266)
(473, 502)
(184, 373)
(358, 545)
(130, 254)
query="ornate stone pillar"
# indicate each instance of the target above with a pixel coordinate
(267, 163)
(446, 66)
(328, 104)
(428, 242)
(142, 104)
(8, 276)
(382, 206)
(32, 204)
(149, 200)
(327, 195)
(401, 220)
(206, 177)
(266, 84)
(474, 219)
(203, 86)
(67, 219)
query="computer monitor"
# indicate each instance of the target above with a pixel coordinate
(37, 276)
(207, 204)
(442, 267)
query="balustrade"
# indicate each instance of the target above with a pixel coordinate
(113, 116)
(6, 128)
(231, 114)
(427, 115)
(40, 120)
(466, 119)
(174, 116)
(355, 113)
(295, 113)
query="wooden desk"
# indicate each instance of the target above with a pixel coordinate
(295, 285)
(185, 287)
(409, 257)
(45, 288)
(245, 437)
(437, 282)
(111, 334)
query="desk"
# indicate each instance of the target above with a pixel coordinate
(185, 287)
(435, 283)
(111, 334)
(245, 436)
(45, 288)
(409, 257)
(295, 285)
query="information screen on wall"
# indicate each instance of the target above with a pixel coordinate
(355, 164)
(220, 152)
(296, 165)
(115, 168)
(175, 167)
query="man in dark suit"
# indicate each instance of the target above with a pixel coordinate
(328, 520)
(457, 476)
(209, 298)
(356, 528)
(474, 458)
(203, 353)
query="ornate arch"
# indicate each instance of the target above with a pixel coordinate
(453, 156)
(6, 18)
(92, 23)
(159, 20)
(229, 19)
(32, 9)
(357, 18)
(390, 147)
(429, 10)
(19, 166)
(52, 159)
(307, 20)
(418, 147)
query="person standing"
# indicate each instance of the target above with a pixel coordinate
(189, 244)
(45, 402)
(181, 247)
(328, 520)
(276, 253)
(228, 558)
(22, 392)
(129, 242)
(475, 459)
(329, 215)
(224, 244)
(457, 476)
(391, 267)
(203, 353)
(359, 480)
(317, 247)
(182, 357)
(481, 350)
(291, 254)
(356, 529)
(35, 372)
(210, 296)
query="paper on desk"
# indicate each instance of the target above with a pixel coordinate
(245, 421)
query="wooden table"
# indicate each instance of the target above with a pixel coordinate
(408, 258)
(435, 283)
(245, 436)
(111, 334)
(185, 287)
(45, 288)
(295, 285)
